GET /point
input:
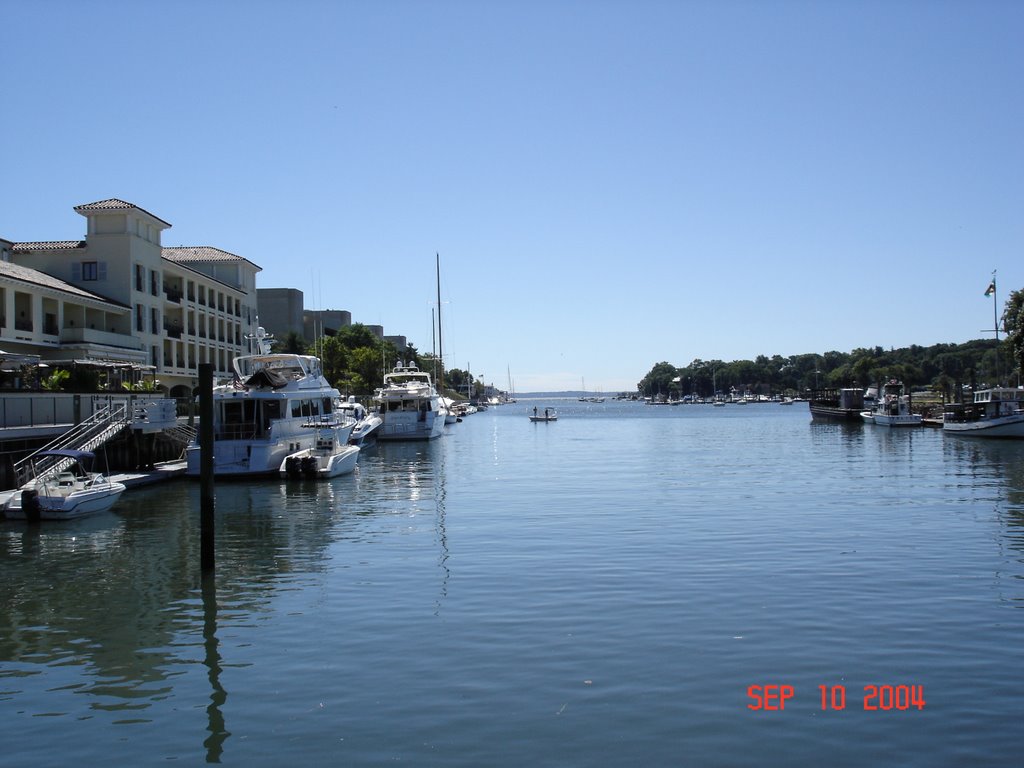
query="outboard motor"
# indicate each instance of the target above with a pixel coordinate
(31, 506)
(293, 466)
(310, 466)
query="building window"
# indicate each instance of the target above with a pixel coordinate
(154, 319)
(139, 318)
(154, 281)
(90, 270)
(140, 278)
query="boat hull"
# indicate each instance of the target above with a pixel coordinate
(1004, 427)
(826, 413)
(69, 507)
(903, 420)
(411, 425)
(243, 458)
(366, 431)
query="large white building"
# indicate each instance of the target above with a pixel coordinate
(119, 296)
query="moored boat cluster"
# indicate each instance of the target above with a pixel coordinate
(277, 416)
(995, 412)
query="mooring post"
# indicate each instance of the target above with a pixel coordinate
(206, 492)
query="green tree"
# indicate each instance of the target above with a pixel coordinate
(293, 344)
(357, 335)
(335, 359)
(659, 380)
(55, 381)
(1013, 324)
(366, 370)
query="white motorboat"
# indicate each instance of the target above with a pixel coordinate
(367, 423)
(451, 413)
(408, 405)
(330, 456)
(997, 413)
(262, 415)
(64, 491)
(892, 408)
(549, 415)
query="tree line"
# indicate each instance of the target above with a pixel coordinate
(945, 368)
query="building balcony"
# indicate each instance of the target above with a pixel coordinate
(92, 336)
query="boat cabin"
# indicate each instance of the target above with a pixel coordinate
(245, 418)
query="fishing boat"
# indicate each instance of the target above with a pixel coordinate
(330, 456)
(65, 490)
(261, 416)
(837, 404)
(892, 408)
(367, 423)
(549, 415)
(996, 413)
(408, 405)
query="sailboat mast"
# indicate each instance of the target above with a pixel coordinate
(440, 353)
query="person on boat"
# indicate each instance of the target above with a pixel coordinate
(545, 413)
(535, 411)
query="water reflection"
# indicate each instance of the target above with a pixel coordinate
(994, 468)
(214, 743)
(113, 608)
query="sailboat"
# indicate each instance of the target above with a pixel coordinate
(589, 398)
(446, 404)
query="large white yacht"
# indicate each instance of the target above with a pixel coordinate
(269, 411)
(409, 405)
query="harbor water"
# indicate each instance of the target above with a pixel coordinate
(628, 585)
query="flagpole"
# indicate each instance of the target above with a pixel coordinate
(995, 321)
(995, 308)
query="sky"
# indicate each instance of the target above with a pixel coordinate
(608, 185)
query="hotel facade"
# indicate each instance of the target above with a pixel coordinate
(118, 298)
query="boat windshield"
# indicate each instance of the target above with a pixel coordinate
(289, 366)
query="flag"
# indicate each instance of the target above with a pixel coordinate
(991, 288)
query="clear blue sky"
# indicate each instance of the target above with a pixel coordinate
(609, 184)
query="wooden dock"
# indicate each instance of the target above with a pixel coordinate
(161, 472)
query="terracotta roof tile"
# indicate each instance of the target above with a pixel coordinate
(52, 245)
(185, 254)
(113, 204)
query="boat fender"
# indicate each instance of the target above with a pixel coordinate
(30, 505)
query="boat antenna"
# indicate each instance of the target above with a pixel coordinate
(261, 337)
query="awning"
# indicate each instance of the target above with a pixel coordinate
(12, 361)
(91, 362)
